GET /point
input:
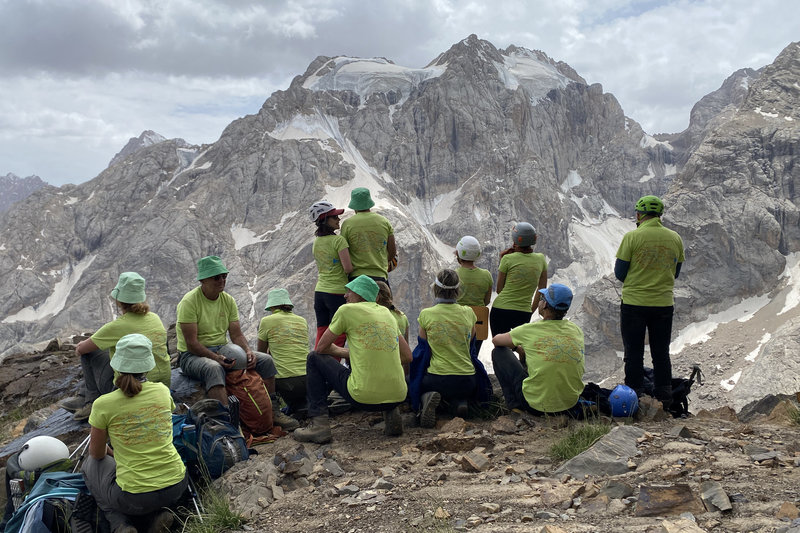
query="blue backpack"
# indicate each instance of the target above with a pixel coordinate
(207, 440)
(50, 500)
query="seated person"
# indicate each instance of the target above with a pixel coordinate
(548, 376)
(206, 316)
(375, 380)
(448, 328)
(284, 335)
(141, 473)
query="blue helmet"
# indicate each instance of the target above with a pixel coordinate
(624, 401)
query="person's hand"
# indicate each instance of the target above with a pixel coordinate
(226, 363)
(251, 360)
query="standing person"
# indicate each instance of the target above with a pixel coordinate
(141, 473)
(332, 255)
(448, 328)
(548, 377)
(649, 260)
(206, 316)
(476, 283)
(522, 274)
(99, 349)
(375, 380)
(284, 335)
(370, 236)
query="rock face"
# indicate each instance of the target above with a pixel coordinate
(147, 138)
(15, 189)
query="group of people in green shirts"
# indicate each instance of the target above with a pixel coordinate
(361, 349)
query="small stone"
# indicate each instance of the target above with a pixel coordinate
(490, 507)
(474, 462)
(333, 468)
(473, 521)
(456, 425)
(441, 514)
(788, 510)
(349, 490)
(382, 484)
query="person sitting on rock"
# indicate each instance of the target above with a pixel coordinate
(141, 473)
(370, 237)
(548, 376)
(375, 380)
(206, 316)
(97, 350)
(448, 328)
(284, 335)
(385, 299)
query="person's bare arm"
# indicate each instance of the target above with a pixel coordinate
(97, 443)
(326, 346)
(503, 339)
(344, 257)
(391, 247)
(86, 346)
(189, 330)
(537, 295)
(487, 298)
(405, 351)
(262, 346)
(501, 281)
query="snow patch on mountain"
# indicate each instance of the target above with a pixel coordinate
(523, 67)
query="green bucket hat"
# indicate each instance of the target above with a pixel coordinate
(278, 297)
(129, 289)
(210, 266)
(134, 355)
(365, 287)
(360, 199)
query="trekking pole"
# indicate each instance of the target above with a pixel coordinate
(80, 452)
(195, 499)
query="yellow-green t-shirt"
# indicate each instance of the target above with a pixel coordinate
(332, 277)
(140, 430)
(287, 335)
(367, 235)
(402, 321)
(376, 373)
(213, 317)
(449, 328)
(653, 252)
(475, 283)
(148, 325)
(522, 278)
(555, 357)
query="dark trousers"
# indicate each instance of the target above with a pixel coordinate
(98, 376)
(504, 320)
(453, 389)
(634, 321)
(325, 306)
(323, 374)
(293, 392)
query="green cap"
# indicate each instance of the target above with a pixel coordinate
(129, 289)
(210, 266)
(360, 200)
(134, 355)
(365, 287)
(278, 297)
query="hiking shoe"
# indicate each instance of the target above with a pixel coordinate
(72, 404)
(393, 423)
(318, 431)
(161, 523)
(462, 409)
(427, 413)
(279, 418)
(83, 413)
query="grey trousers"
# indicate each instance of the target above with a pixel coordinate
(212, 373)
(101, 479)
(98, 376)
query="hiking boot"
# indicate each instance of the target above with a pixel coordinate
(161, 523)
(279, 418)
(318, 430)
(462, 409)
(72, 404)
(393, 423)
(82, 414)
(427, 413)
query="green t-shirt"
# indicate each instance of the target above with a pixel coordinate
(148, 325)
(367, 235)
(475, 283)
(449, 328)
(287, 335)
(555, 357)
(402, 321)
(332, 277)
(140, 430)
(376, 373)
(213, 317)
(653, 252)
(522, 278)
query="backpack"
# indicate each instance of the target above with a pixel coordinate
(681, 387)
(19, 482)
(207, 440)
(255, 406)
(49, 504)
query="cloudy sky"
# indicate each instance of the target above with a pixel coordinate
(80, 77)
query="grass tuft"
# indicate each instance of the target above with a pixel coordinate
(217, 515)
(794, 415)
(578, 440)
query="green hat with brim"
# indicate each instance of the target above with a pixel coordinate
(210, 266)
(129, 289)
(134, 355)
(365, 287)
(360, 200)
(277, 297)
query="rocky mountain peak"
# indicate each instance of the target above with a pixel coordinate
(134, 144)
(776, 93)
(15, 188)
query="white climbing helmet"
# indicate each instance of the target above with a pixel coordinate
(41, 451)
(468, 248)
(323, 208)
